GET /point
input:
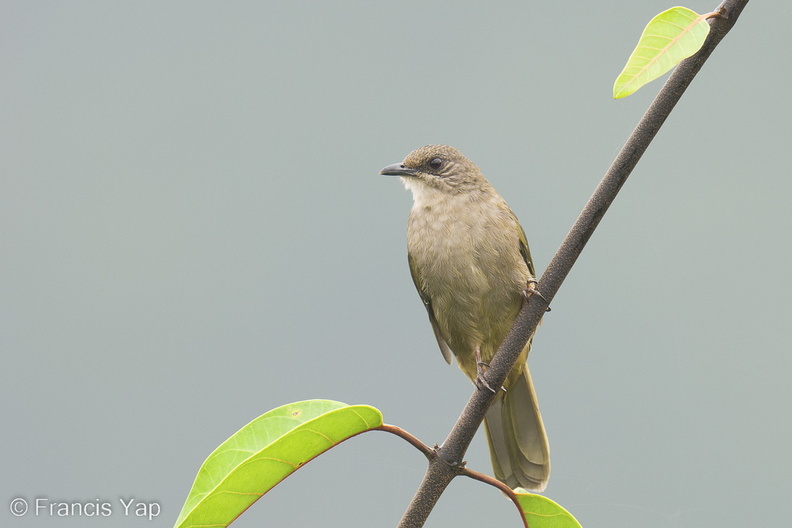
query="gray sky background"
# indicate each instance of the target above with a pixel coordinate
(193, 231)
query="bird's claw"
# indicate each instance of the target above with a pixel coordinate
(530, 289)
(481, 368)
(481, 384)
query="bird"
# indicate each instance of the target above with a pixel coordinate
(470, 262)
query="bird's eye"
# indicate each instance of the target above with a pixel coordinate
(436, 163)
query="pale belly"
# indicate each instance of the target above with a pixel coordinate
(474, 276)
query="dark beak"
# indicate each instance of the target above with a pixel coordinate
(397, 169)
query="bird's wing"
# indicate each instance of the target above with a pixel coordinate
(444, 348)
(524, 251)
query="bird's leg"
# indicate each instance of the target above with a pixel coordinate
(481, 368)
(530, 289)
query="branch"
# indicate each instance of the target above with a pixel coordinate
(492, 481)
(449, 461)
(428, 452)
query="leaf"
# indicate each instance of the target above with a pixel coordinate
(669, 38)
(541, 512)
(266, 451)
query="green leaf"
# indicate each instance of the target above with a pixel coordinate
(264, 452)
(669, 38)
(541, 512)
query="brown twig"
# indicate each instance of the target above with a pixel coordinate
(492, 481)
(420, 446)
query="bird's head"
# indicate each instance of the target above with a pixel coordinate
(438, 168)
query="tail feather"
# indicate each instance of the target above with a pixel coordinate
(516, 435)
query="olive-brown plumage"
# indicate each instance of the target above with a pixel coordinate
(470, 262)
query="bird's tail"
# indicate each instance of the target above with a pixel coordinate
(516, 435)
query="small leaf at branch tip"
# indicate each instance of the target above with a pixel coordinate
(668, 39)
(541, 512)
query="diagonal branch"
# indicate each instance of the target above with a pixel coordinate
(446, 466)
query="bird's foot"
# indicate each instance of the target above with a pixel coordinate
(481, 368)
(530, 289)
